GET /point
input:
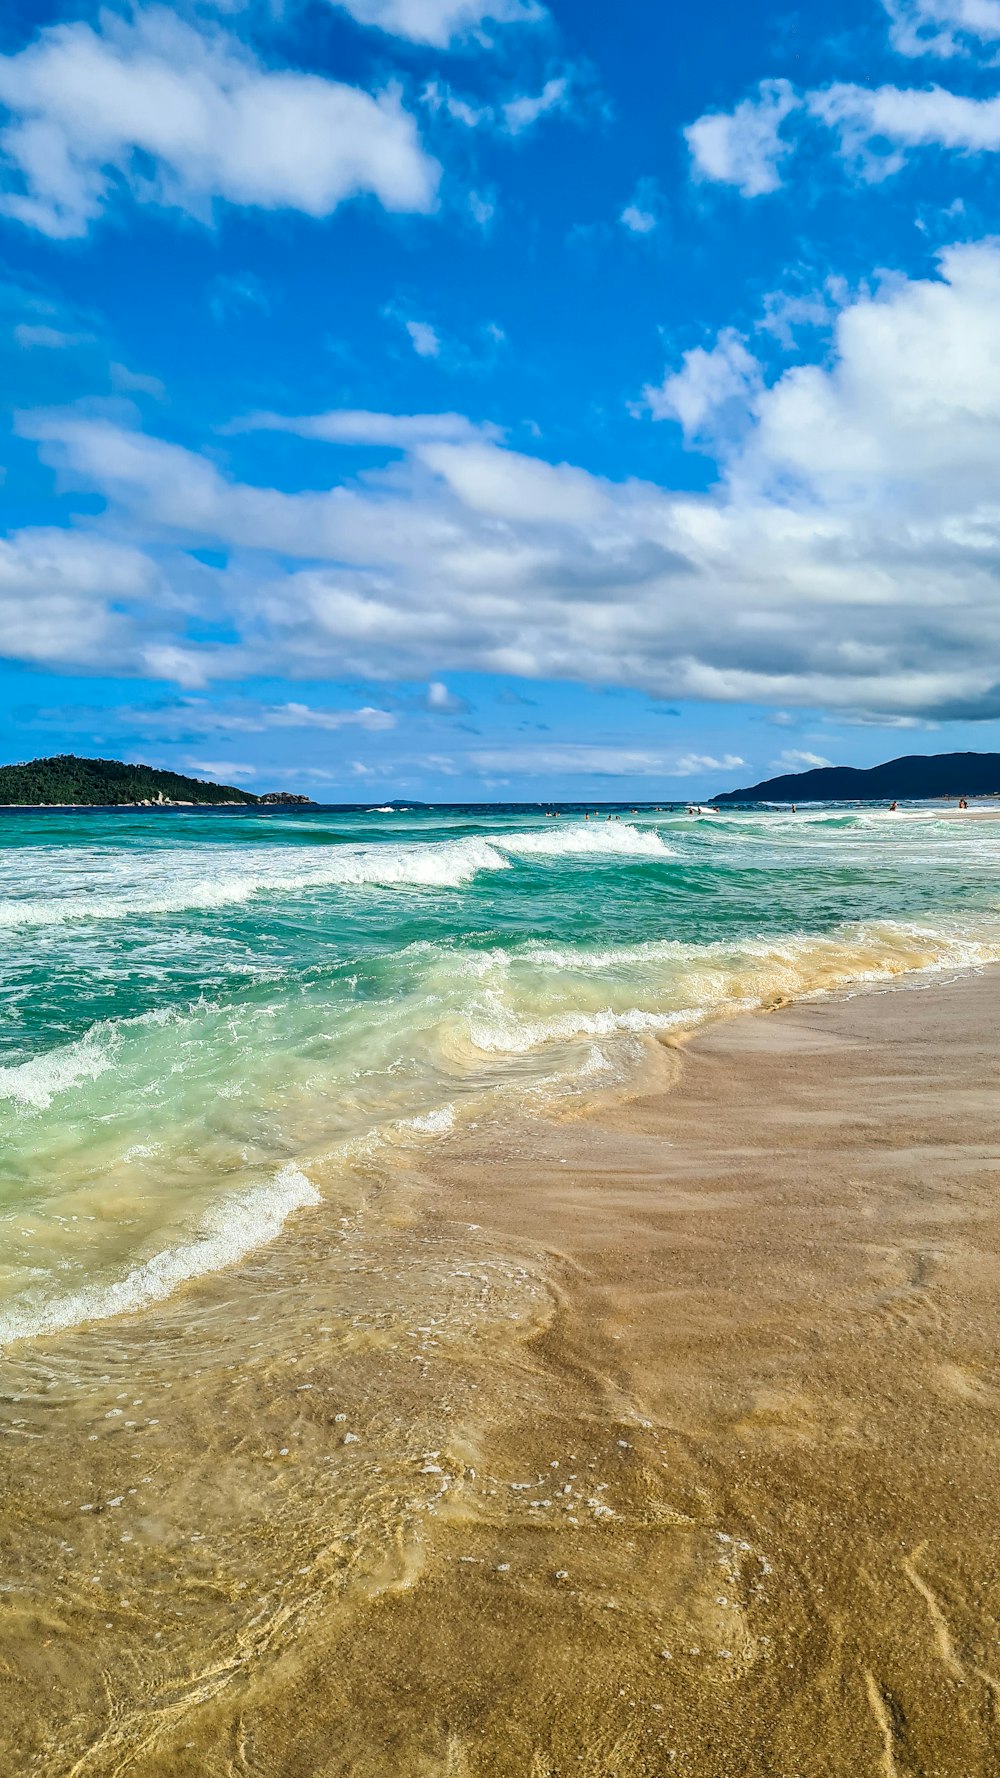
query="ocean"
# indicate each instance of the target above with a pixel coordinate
(211, 1018)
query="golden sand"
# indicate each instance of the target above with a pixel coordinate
(662, 1440)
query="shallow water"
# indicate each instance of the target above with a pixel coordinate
(387, 1496)
(211, 1019)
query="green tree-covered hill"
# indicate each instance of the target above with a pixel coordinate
(66, 779)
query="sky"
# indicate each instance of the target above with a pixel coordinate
(497, 400)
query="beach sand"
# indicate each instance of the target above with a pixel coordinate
(672, 1443)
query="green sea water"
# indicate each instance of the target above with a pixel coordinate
(208, 1016)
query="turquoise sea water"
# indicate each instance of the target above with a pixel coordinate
(206, 1015)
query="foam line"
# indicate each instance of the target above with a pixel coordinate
(231, 1230)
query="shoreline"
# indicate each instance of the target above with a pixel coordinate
(749, 1311)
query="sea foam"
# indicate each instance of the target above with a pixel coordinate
(34, 1083)
(229, 1231)
(184, 884)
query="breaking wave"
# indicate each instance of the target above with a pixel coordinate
(235, 1226)
(447, 864)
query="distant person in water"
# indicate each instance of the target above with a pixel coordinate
(893, 808)
(962, 803)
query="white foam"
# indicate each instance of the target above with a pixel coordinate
(433, 1123)
(499, 1030)
(236, 1225)
(35, 1082)
(238, 875)
(236, 879)
(586, 838)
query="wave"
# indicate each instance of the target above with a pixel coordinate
(586, 838)
(235, 1226)
(447, 864)
(706, 981)
(35, 1082)
(875, 945)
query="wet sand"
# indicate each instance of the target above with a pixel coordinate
(658, 1439)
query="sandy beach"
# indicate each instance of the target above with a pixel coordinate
(659, 1438)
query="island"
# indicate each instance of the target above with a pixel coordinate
(64, 781)
(915, 776)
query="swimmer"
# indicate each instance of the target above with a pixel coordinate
(893, 808)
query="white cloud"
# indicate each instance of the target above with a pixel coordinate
(439, 97)
(505, 485)
(877, 128)
(523, 113)
(443, 702)
(641, 214)
(865, 118)
(744, 147)
(301, 716)
(61, 598)
(692, 765)
(796, 759)
(575, 758)
(134, 382)
(221, 770)
(28, 335)
(439, 22)
(190, 716)
(706, 384)
(638, 222)
(184, 117)
(941, 27)
(357, 426)
(482, 209)
(512, 117)
(848, 558)
(424, 337)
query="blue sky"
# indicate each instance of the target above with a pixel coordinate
(461, 399)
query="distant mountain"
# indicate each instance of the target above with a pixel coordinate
(915, 776)
(66, 779)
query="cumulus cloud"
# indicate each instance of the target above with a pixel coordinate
(876, 125)
(744, 147)
(184, 117)
(706, 384)
(440, 22)
(876, 129)
(848, 557)
(941, 27)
